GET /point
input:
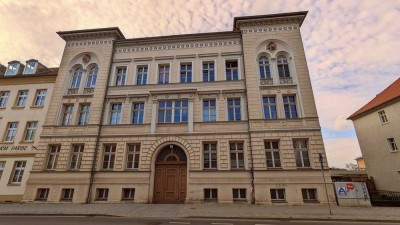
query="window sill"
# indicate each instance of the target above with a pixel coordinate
(37, 107)
(211, 200)
(40, 200)
(310, 201)
(274, 168)
(304, 168)
(7, 142)
(65, 200)
(100, 200)
(128, 199)
(395, 151)
(2, 108)
(26, 142)
(18, 107)
(14, 185)
(278, 201)
(210, 169)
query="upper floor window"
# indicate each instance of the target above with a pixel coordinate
(109, 156)
(52, 159)
(237, 155)
(21, 100)
(289, 104)
(209, 110)
(208, 71)
(76, 156)
(210, 156)
(92, 77)
(272, 154)
(67, 115)
(231, 69)
(2, 166)
(3, 98)
(186, 72)
(12, 69)
(234, 111)
(283, 66)
(269, 108)
(133, 156)
(301, 153)
(40, 97)
(77, 77)
(18, 173)
(121, 76)
(263, 64)
(30, 131)
(115, 115)
(11, 132)
(173, 111)
(142, 75)
(138, 113)
(84, 115)
(163, 74)
(392, 144)
(30, 67)
(383, 117)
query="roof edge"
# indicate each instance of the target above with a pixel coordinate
(65, 34)
(269, 16)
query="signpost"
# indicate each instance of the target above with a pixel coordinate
(321, 161)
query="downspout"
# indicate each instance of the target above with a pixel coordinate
(253, 197)
(93, 170)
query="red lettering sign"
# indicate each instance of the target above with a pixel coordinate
(350, 186)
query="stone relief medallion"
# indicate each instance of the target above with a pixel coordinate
(271, 46)
(86, 58)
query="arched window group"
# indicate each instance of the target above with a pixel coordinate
(282, 63)
(283, 66)
(90, 79)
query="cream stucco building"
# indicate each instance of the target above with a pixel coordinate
(225, 117)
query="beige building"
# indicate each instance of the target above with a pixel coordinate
(224, 117)
(25, 91)
(378, 133)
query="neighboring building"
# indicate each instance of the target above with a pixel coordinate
(25, 92)
(183, 118)
(361, 163)
(378, 132)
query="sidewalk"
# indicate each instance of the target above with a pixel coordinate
(205, 210)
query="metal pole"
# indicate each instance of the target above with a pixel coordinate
(321, 161)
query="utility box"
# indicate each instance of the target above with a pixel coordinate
(352, 194)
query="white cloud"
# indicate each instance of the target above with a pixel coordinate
(341, 151)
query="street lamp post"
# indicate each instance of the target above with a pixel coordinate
(321, 161)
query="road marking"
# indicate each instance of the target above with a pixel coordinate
(179, 222)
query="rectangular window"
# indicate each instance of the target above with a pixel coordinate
(101, 194)
(163, 74)
(18, 173)
(92, 77)
(40, 97)
(392, 144)
(138, 113)
(231, 68)
(209, 110)
(121, 76)
(133, 156)
(234, 111)
(210, 194)
(383, 117)
(30, 131)
(67, 115)
(141, 75)
(67, 194)
(309, 195)
(109, 157)
(289, 103)
(210, 156)
(42, 194)
(186, 72)
(269, 108)
(84, 115)
(12, 69)
(277, 194)
(115, 115)
(3, 98)
(30, 67)
(237, 155)
(272, 154)
(54, 152)
(76, 156)
(239, 194)
(173, 111)
(301, 153)
(128, 193)
(21, 100)
(11, 132)
(208, 71)
(2, 166)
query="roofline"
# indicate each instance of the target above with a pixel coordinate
(91, 31)
(359, 115)
(270, 16)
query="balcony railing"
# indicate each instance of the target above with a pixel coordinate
(266, 81)
(73, 91)
(285, 80)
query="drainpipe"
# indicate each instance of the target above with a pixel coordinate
(93, 170)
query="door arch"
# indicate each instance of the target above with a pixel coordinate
(170, 176)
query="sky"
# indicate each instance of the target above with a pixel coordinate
(352, 47)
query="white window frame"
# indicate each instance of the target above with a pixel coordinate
(301, 150)
(104, 196)
(84, 113)
(269, 106)
(289, 103)
(35, 64)
(40, 97)
(392, 144)
(72, 84)
(30, 131)
(169, 63)
(39, 194)
(239, 62)
(111, 112)
(205, 60)
(131, 193)
(134, 150)
(202, 109)
(140, 110)
(52, 156)
(211, 196)
(111, 153)
(240, 197)
(77, 151)
(2, 166)
(186, 62)
(241, 109)
(136, 75)
(18, 172)
(382, 116)
(89, 75)
(67, 114)
(272, 151)
(116, 75)
(4, 95)
(173, 107)
(276, 190)
(208, 151)
(237, 151)
(67, 194)
(23, 96)
(14, 71)
(11, 132)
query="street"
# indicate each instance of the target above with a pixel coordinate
(72, 220)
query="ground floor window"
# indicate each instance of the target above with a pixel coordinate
(2, 165)
(128, 193)
(42, 194)
(239, 194)
(277, 194)
(67, 194)
(210, 194)
(101, 194)
(309, 195)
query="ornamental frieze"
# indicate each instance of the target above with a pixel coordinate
(270, 29)
(89, 43)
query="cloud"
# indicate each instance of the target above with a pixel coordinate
(341, 151)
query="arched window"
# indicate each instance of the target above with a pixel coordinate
(263, 64)
(92, 77)
(76, 77)
(283, 66)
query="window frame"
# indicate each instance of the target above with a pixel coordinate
(104, 197)
(237, 153)
(259, 65)
(277, 194)
(210, 152)
(186, 71)
(2, 167)
(208, 61)
(111, 156)
(287, 64)
(239, 194)
(145, 65)
(39, 193)
(209, 109)
(173, 108)
(234, 106)
(131, 195)
(18, 171)
(91, 78)
(211, 196)
(70, 196)
(84, 113)
(15, 70)
(382, 116)
(67, 114)
(392, 144)
(40, 97)
(52, 156)
(140, 111)
(122, 75)
(30, 130)
(14, 131)
(76, 156)
(163, 64)
(270, 105)
(308, 199)
(301, 150)
(118, 122)
(289, 104)
(135, 156)
(273, 150)
(76, 84)
(229, 60)
(4, 99)
(20, 96)
(31, 71)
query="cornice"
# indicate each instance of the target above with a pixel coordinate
(111, 32)
(31, 79)
(269, 20)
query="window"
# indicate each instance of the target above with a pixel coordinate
(30, 131)
(92, 77)
(272, 154)
(289, 103)
(54, 152)
(309, 195)
(138, 113)
(239, 194)
(128, 193)
(173, 111)
(283, 67)
(208, 71)
(210, 194)
(109, 157)
(121, 76)
(42, 194)
(301, 153)
(76, 77)
(101, 194)
(186, 72)
(141, 75)
(67, 115)
(12, 69)
(3, 98)
(2, 165)
(277, 194)
(392, 144)
(67, 194)
(210, 156)
(115, 116)
(163, 74)
(234, 111)
(269, 108)
(19, 168)
(11, 132)
(209, 110)
(21, 100)
(84, 115)
(76, 156)
(133, 156)
(30, 67)
(231, 69)
(383, 117)
(237, 155)
(263, 64)
(40, 97)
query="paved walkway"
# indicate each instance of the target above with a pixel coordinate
(204, 210)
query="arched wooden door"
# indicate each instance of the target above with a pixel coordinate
(170, 176)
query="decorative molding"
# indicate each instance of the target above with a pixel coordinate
(122, 60)
(231, 53)
(142, 59)
(88, 43)
(208, 55)
(164, 57)
(186, 56)
(270, 29)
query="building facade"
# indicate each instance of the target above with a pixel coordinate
(378, 133)
(224, 117)
(25, 91)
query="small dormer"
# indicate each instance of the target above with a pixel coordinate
(33, 66)
(14, 68)
(2, 69)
